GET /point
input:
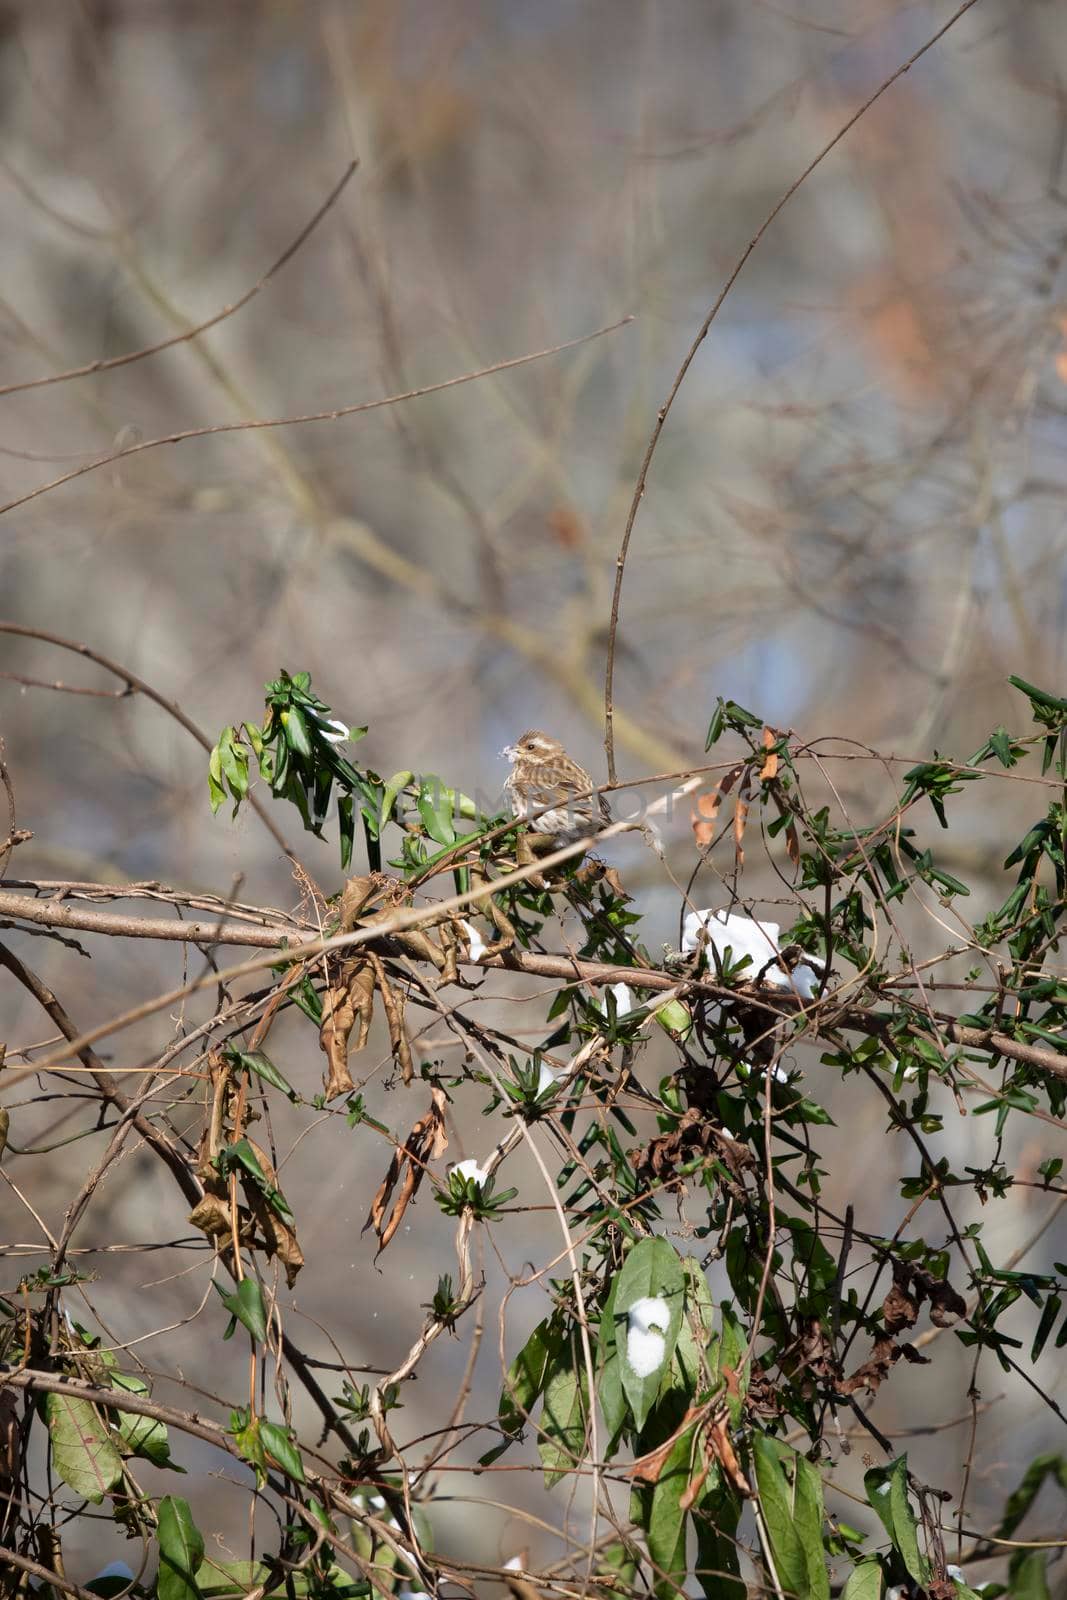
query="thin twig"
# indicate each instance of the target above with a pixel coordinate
(665, 409)
(251, 424)
(210, 322)
(133, 682)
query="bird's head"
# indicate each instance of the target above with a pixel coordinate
(533, 746)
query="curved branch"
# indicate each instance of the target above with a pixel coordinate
(665, 409)
(46, 1575)
(61, 914)
(253, 423)
(141, 1405)
(201, 327)
(778, 1002)
(134, 683)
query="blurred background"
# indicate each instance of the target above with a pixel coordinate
(853, 524)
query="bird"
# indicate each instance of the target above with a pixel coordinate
(550, 792)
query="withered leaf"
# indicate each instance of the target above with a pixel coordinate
(355, 897)
(946, 1305)
(212, 1216)
(769, 768)
(912, 1285)
(426, 1142)
(724, 1451)
(740, 819)
(348, 997)
(695, 1134)
(647, 1469)
(279, 1239)
(899, 1308)
(258, 1224)
(707, 805)
(394, 1015)
(10, 1447)
(874, 1371)
(704, 812)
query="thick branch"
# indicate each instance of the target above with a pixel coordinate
(821, 1019)
(64, 914)
(141, 1405)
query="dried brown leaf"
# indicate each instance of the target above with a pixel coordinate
(355, 897)
(727, 1457)
(874, 1371)
(426, 1142)
(946, 1306)
(647, 1469)
(279, 1239)
(792, 843)
(212, 1216)
(740, 818)
(769, 768)
(695, 1134)
(394, 1016)
(899, 1308)
(349, 998)
(705, 810)
(10, 1447)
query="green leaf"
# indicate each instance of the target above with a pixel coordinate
(279, 1446)
(296, 732)
(697, 1340)
(242, 1154)
(1029, 1577)
(181, 1550)
(261, 1066)
(1046, 1324)
(527, 1374)
(864, 1581)
(718, 1569)
(612, 1399)
(887, 1491)
(787, 1551)
(216, 792)
(1040, 699)
(83, 1452)
(616, 1569)
(1022, 1498)
(221, 1580)
(730, 1352)
(808, 1511)
(396, 783)
(346, 826)
(436, 806)
(246, 1304)
(665, 1527)
(674, 1018)
(563, 1417)
(245, 1429)
(651, 1271)
(143, 1436)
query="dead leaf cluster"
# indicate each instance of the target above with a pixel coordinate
(912, 1285)
(706, 807)
(219, 1214)
(694, 1135)
(426, 1142)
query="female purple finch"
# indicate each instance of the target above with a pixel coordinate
(550, 792)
